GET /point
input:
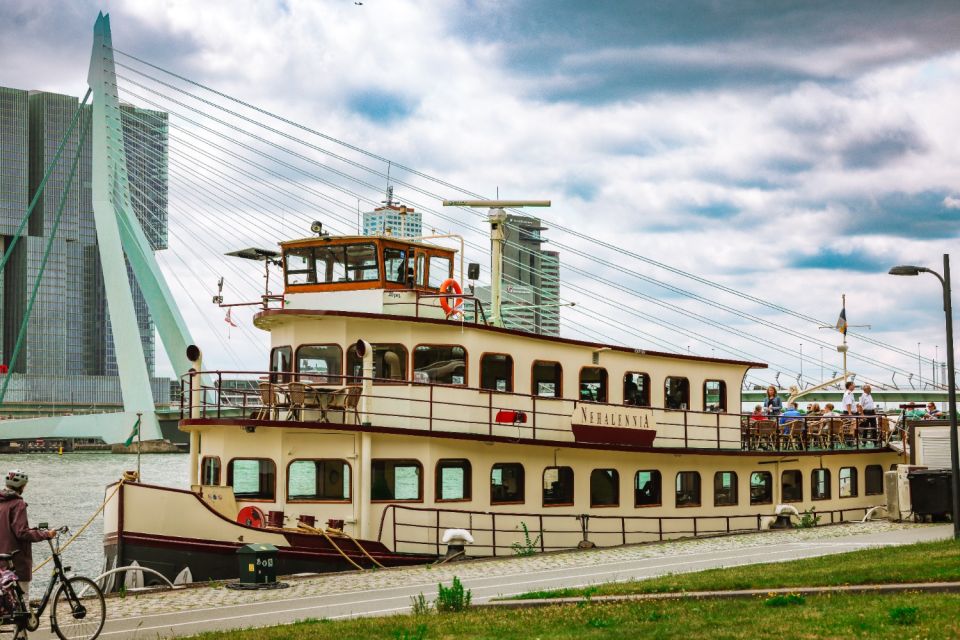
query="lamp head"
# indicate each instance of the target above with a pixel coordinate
(906, 270)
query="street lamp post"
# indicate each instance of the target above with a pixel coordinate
(908, 270)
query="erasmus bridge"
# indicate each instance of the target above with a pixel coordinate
(241, 175)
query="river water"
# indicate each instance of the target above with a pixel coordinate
(66, 490)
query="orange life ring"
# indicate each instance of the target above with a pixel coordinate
(252, 517)
(446, 287)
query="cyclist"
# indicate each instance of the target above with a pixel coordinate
(15, 534)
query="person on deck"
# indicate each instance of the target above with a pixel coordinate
(773, 405)
(757, 413)
(792, 413)
(848, 405)
(15, 533)
(868, 408)
(932, 412)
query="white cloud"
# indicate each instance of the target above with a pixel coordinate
(772, 156)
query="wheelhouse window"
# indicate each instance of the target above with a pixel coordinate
(421, 271)
(676, 393)
(320, 363)
(395, 265)
(440, 270)
(453, 480)
(593, 384)
(396, 480)
(636, 389)
(506, 483)
(389, 362)
(647, 489)
(848, 482)
(820, 484)
(873, 480)
(725, 489)
(688, 489)
(300, 266)
(604, 488)
(281, 362)
(761, 487)
(440, 364)
(547, 379)
(210, 471)
(496, 372)
(318, 480)
(557, 486)
(715, 396)
(345, 263)
(791, 486)
(252, 478)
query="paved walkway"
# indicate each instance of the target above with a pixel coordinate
(214, 607)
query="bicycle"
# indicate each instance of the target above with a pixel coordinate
(79, 610)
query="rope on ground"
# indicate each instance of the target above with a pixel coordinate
(84, 527)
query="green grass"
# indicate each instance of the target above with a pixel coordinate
(922, 562)
(837, 616)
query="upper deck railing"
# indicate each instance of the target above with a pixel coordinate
(459, 410)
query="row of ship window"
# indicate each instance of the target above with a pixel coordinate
(447, 364)
(329, 480)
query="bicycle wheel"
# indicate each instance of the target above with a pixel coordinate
(78, 610)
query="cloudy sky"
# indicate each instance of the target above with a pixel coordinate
(789, 151)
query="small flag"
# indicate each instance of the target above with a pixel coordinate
(229, 318)
(134, 433)
(842, 321)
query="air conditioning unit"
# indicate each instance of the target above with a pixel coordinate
(896, 488)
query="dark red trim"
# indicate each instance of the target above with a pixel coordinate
(325, 426)
(549, 339)
(638, 438)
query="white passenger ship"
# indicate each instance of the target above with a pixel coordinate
(392, 410)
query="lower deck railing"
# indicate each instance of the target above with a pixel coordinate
(420, 529)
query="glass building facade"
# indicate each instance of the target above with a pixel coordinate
(67, 354)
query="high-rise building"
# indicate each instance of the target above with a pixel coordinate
(530, 291)
(67, 354)
(393, 219)
(525, 263)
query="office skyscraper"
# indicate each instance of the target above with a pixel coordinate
(67, 354)
(530, 291)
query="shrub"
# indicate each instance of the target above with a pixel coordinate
(529, 545)
(808, 519)
(784, 600)
(903, 615)
(419, 605)
(454, 598)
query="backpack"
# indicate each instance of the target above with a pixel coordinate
(8, 593)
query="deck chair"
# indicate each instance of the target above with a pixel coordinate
(268, 398)
(849, 432)
(791, 434)
(818, 433)
(297, 393)
(351, 403)
(766, 434)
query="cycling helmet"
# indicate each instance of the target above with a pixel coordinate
(16, 479)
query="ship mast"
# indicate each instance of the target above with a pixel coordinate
(497, 218)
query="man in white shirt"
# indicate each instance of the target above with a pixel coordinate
(868, 426)
(847, 405)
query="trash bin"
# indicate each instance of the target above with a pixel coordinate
(258, 564)
(931, 492)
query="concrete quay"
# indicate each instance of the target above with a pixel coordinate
(183, 612)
